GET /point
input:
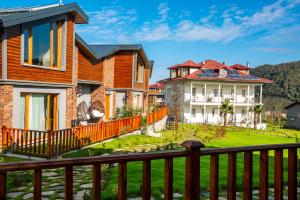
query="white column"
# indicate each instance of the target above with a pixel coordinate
(234, 100)
(248, 101)
(248, 97)
(205, 100)
(260, 100)
(191, 93)
(219, 94)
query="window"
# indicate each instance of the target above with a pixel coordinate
(215, 92)
(43, 44)
(139, 77)
(244, 93)
(232, 92)
(213, 112)
(221, 93)
(203, 91)
(184, 71)
(202, 111)
(38, 111)
(193, 92)
(173, 73)
(193, 112)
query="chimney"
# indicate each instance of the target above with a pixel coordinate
(203, 62)
(224, 63)
(247, 63)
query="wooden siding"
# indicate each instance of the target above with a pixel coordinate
(1, 54)
(15, 71)
(89, 70)
(123, 69)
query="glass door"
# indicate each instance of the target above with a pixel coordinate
(39, 111)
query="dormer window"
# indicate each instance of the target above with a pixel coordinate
(43, 44)
(184, 71)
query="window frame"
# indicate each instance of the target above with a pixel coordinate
(63, 45)
(139, 78)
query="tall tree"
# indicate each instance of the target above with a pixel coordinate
(225, 109)
(257, 109)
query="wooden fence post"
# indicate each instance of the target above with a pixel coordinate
(192, 169)
(4, 138)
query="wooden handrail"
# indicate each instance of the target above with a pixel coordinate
(193, 151)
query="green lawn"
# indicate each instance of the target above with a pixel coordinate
(10, 159)
(234, 137)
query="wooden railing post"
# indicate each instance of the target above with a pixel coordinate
(3, 185)
(4, 138)
(192, 169)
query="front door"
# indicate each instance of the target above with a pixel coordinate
(39, 111)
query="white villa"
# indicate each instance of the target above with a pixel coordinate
(197, 90)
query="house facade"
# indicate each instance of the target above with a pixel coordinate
(197, 90)
(46, 69)
(124, 79)
(156, 93)
(293, 115)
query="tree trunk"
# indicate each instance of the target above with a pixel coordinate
(225, 119)
(255, 121)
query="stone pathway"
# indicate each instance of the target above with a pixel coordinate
(53, 184)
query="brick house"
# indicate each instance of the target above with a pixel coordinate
(124, 79)
(46, 69)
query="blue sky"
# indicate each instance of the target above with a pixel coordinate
(171, 32)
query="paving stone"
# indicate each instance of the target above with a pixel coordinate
(79, 195)
(47, 193)
(13, 195)
(50, 174)
(61, 195)
(28, 196)
(177, 195)
(21, 188)
(87, 186)
(53, 185)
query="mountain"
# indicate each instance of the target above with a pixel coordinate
(285, 87)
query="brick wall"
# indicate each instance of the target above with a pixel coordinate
(6, 108)
(71, 96)
(6, 105)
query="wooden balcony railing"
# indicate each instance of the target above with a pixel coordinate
(192, 155)
(54, 143)
(157, 115)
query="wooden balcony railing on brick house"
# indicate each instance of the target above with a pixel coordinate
(54, 143)
(192, 155)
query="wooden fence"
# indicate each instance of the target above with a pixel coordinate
(157, 115)
(54, 143)
(192, 155)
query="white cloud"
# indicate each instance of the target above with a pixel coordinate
(273, 49)
(190, 31)
(117, 24)
(163, 10)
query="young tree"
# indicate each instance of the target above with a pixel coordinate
(225, 109)
(257, 109)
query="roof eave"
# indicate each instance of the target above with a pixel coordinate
(18, 18)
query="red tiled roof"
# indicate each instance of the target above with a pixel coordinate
(239, 67)
(157, 85)
(195, 76)
(212, 64)
(188, 63)
(216, 66)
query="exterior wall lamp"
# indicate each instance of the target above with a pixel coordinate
(108, 92)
